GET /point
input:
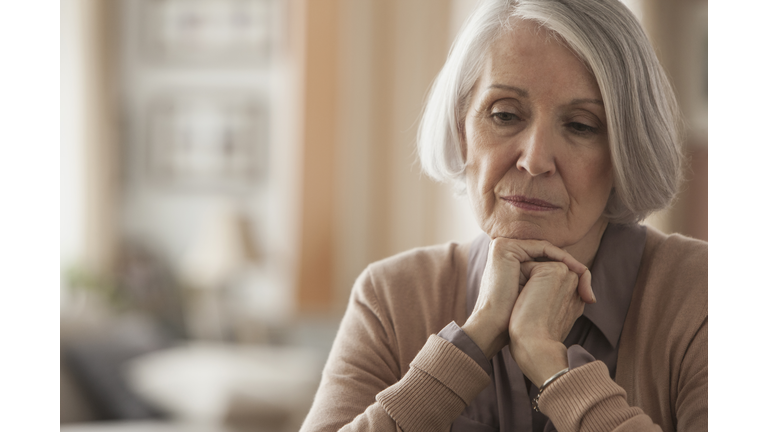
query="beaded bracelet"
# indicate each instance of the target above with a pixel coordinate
(535, 401)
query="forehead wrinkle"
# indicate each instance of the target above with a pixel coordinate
(506, 60)
(518, 90)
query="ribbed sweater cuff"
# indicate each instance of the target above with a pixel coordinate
(441, 382)
(586, 399)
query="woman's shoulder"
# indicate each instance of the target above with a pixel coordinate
(420, 271)
(426, 280)
(677, 259)
(677, 247)
(422, 262)
(673, 275)
(664, 339)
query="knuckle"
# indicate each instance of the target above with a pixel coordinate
(505, 249)
(561, 269)
(498, 244)
(573, 278)
(495, 249)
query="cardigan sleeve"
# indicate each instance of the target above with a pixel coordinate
(363, 388)
(587, 399)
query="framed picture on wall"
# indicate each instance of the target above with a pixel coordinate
(206, 141)
(206, 32)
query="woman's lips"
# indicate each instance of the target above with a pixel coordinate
(525, 203)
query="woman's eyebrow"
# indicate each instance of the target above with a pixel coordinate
(592, 101)
(518, 90)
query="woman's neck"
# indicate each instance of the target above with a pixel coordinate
(585, 249)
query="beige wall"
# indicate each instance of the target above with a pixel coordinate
(366, 118)
(390, 53)
(678, 30)
(89, 127)
(319, 146)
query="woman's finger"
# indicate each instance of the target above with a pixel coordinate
(529, 250)
(584, 287)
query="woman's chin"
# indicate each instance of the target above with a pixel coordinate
(519, 230)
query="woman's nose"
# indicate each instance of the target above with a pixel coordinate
(537, 153)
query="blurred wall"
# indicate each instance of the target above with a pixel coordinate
(89, 176)
(678, 30)
(390, 53)
(230, 86)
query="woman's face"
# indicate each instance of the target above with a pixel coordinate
(536, 142)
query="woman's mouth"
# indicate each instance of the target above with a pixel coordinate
(526, 203)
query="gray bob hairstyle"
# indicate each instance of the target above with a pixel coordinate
(644, 123)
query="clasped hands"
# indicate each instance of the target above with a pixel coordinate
(530, 295)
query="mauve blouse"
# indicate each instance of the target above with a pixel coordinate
(505, 405)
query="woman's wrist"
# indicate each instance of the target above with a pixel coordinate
(539, 359)
(487, 339)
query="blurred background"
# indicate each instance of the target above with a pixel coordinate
(228, 168)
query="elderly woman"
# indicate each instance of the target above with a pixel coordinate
(556, 119)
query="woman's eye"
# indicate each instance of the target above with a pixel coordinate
(581, 128)
(505, 117)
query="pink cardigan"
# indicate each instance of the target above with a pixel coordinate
(388, 371)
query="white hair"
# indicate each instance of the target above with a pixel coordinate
(644, 122)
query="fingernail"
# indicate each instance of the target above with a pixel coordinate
(594, 300)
